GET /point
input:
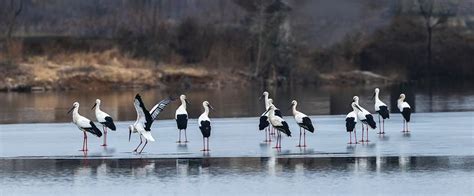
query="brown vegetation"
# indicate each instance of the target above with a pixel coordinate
(175, 43)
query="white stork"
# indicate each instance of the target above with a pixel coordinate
(303, 121)
(382, 109)
(405, 109)
(366, 118)
(181, 117)
(279, 124)
(205, 125)
(144, 120)
(351, 121)
(84, 124)
(104, 119)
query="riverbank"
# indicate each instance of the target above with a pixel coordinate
(112, 70)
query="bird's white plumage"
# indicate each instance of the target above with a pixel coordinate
(99, 114)
(139, 125)
(297, 114)
(362, 112)
(401, 103)
(182, 108)
(80, 121)
(354, 112)
(205, 115)
(274, 120)
(378, 102)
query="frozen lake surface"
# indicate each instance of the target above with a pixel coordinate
(437, 158)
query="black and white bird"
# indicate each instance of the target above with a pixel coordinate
(181, 117)
(84, 124)
(351, 121)
(264, 118)
(104, 119)
(144, 120)
(205, 125)
(382, 109)
(303, 121)
(366, 118)
(405, 109)
(279, 124)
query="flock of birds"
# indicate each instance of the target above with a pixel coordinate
(271, 120)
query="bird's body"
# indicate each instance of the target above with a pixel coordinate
(181, 117)
(279, 124)
(405, 109)
(382, 109)
(204, 123)
(84, 125)
(351, 121)
(145, 119)
(366, 118)
(104, 119)
(303, 121)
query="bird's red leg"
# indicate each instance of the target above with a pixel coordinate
(105, 135)
(380, 128)
(138, 144)
(362, 134)
(83, 141)
(367, 135)
(86, 141)
(179, 136)
(185, 137)
(208, 144)
(203, 144)
(304, 136)
(355, 136)
(383, 126)
(146, 142)
(350, 138)
(299, 143)
(407, 127)
(269, 134)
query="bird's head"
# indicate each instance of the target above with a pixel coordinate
(402, 96)
(355, 106)
(265, 93)
(355, 99)
(207, 104)
(293, 103)
(184, 99)
(376, 91)
(74, 105)
(97, 102)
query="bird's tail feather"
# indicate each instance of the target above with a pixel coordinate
(94, 130)
(147, 135)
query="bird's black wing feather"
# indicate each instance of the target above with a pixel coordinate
(278, 113)
(350, 124)
(109, 122)
(370, 120)
(383, 111)
(307, 124)
(263, 122)
(156, 110)
(93, 129)
(406, 113)
(205, 128)
(286, 129)
(148, 117)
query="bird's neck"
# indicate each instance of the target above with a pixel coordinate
(183, 103)
(294, 109)
(97, 107)
(377, 96)
(267, 105)
(206, 110)
(75, 113)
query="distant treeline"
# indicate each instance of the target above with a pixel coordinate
(271, 40)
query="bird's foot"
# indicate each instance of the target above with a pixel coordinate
(380, 132)
(83, 150)
(361, 141)
(186, 141)
(351, 142)
(179, 141)
(367, 141)
(205, 150)
(103, 145)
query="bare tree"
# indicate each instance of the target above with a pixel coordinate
(434, 13)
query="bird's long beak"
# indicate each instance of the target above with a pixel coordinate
(358, 107)
(210, 106)
(260, 98)
(187, 102)
(70, 110)
(95, 104)
(266, 111)
(373, 96)
(129, 134)
(291, 106)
